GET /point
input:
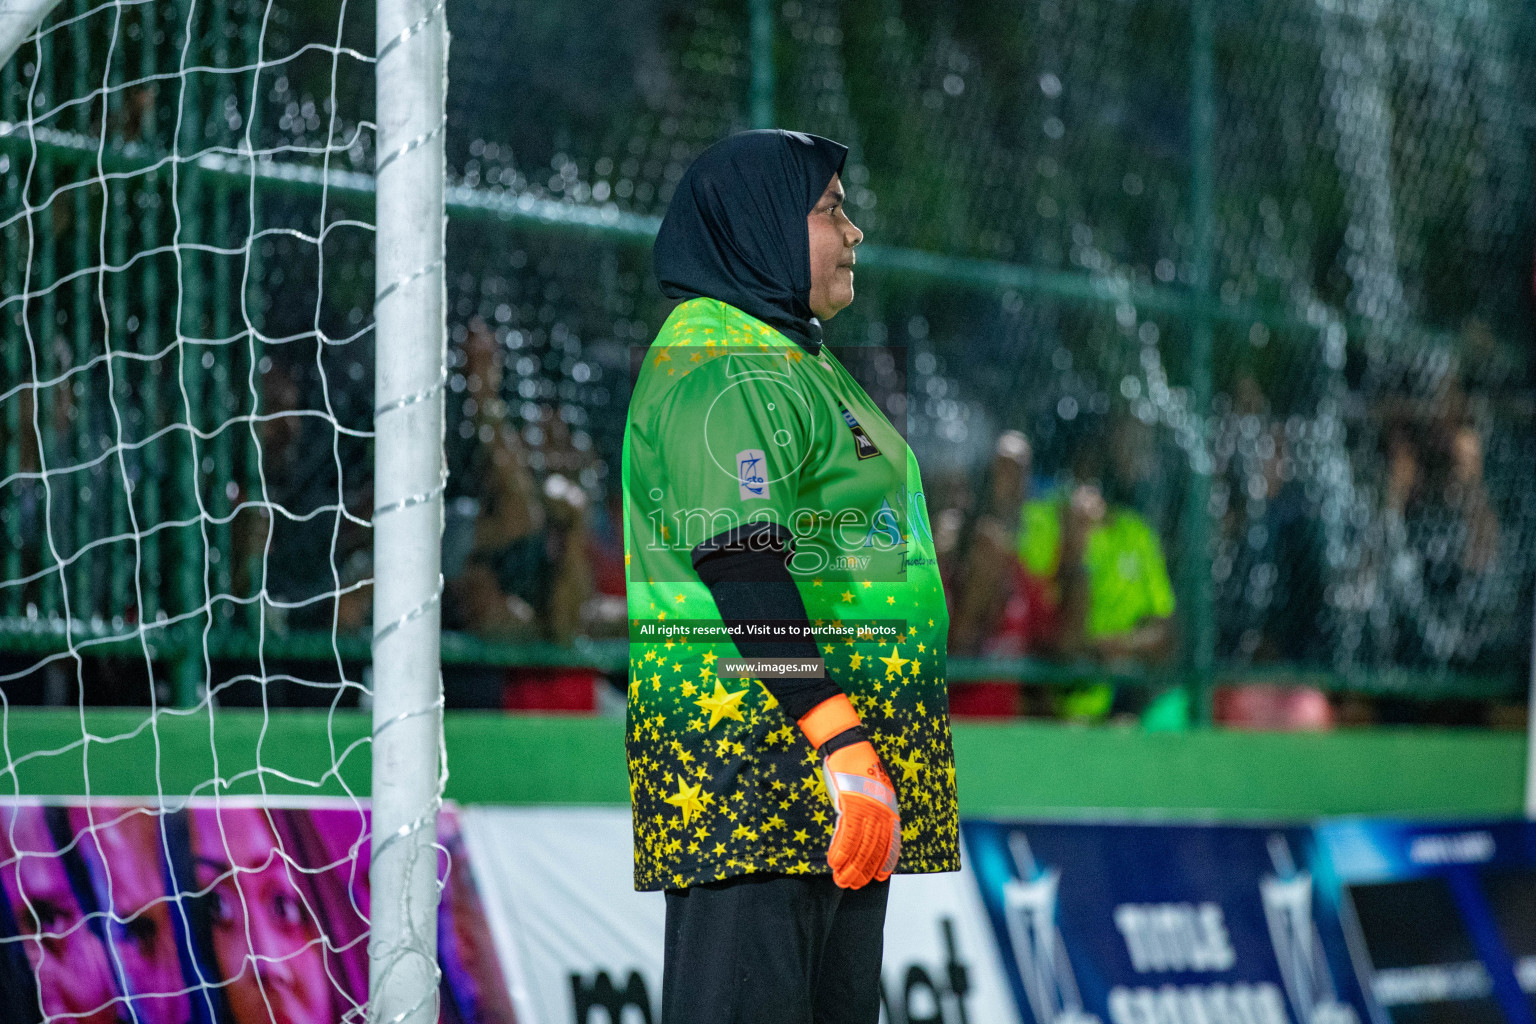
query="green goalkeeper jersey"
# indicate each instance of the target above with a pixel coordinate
(732, 424)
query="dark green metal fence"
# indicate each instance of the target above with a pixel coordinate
(1284, 249)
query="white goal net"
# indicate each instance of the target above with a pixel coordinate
(202, 334)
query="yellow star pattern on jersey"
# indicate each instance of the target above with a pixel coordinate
(893, 663)
(722, 705)
(688, 800)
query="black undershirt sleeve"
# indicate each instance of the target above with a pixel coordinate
(747, 575)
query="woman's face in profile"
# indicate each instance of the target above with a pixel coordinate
(266, 941)
(833, 237)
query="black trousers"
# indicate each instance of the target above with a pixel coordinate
(773, 949)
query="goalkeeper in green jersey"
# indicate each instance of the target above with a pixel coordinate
(764, 488)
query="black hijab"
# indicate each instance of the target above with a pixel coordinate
(735, 229)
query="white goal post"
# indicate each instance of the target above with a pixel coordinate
(409, 474)
(18, 20)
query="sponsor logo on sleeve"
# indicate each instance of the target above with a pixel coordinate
(752, 474)
(866, 447)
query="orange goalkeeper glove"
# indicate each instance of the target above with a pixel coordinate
(866, 841)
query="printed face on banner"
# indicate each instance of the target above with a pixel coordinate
(215, 914)
(125, 857)
(63, 952)
(266, 940)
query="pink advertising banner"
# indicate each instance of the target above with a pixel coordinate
(227, 912)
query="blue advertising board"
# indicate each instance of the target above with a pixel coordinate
(1159, 924)
(1440, 918)
(1348, 921)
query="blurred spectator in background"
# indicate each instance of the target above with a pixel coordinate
(1448, 594)
(584, 608)
(607, 553)
(517, 555)
(32, 504)
(1102, 565)
(950, 496)
(289, 537)
(494, 550)
(1272, 708)
(276, 433)
(999, 609)
(1267, 571)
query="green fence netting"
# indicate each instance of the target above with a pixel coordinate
(1262, 270)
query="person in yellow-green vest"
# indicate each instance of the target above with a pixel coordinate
(1104, 570)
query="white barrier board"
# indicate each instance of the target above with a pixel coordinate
(578, 945)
